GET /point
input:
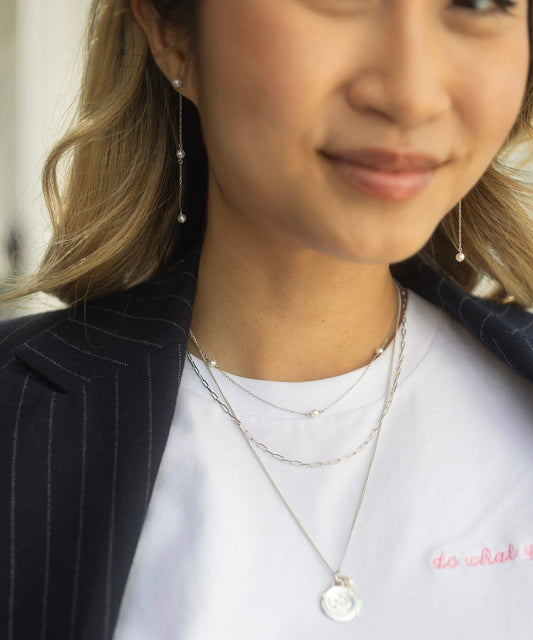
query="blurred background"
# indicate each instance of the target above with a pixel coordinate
(41, 44)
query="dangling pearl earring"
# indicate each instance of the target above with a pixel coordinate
(177, 83)
(460, 256)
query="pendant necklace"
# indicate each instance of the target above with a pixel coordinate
(339, 602)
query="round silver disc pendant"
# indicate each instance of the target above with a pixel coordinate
(340, 603)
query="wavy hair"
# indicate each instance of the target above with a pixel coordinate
(110, 182)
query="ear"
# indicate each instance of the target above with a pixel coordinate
(167, 45)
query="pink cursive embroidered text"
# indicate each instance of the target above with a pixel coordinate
(487, 557)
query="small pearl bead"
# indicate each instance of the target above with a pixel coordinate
(460, 256)
(212, 363)
(182, 218)
(379, 351)
(177, 83)
(314, 413)
(180, 153)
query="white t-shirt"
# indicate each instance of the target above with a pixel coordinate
(443, 547)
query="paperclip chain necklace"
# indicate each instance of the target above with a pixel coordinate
(339, 602)
(278, 456)
(313, 413)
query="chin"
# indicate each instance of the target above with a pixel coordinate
(376, 250)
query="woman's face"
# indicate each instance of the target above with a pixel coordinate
(312, 110)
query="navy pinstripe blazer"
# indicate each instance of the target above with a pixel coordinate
(87, 396)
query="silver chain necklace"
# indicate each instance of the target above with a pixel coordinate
(339, 602)
(225, 406)
(313, 413)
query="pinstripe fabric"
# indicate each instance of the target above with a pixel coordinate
(87, 397)
(86, 402)
(48, 517)
(150, 425)
(111, 534)
(81, 510)
(12, 512)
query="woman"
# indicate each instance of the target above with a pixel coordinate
(318, 142)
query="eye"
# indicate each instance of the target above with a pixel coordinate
(486, 6)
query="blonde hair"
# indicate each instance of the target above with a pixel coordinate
(114, 219)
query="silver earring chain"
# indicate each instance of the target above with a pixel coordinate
(177, 83)
(460, 256)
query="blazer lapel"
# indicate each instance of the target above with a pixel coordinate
(91, 422)
(92, 341)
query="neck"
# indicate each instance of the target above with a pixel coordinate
(272, 311)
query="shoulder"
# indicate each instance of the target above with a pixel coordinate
(506, 331)
(16, 332)
(66, 348)
(486, 350)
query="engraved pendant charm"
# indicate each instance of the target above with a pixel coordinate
(340, 602)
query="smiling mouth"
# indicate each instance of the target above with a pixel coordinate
(395, 179)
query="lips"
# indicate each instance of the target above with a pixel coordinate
(383, 173)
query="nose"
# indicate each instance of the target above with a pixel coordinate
(404, 75)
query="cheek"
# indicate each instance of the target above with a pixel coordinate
(491, 100)
(256, 83)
